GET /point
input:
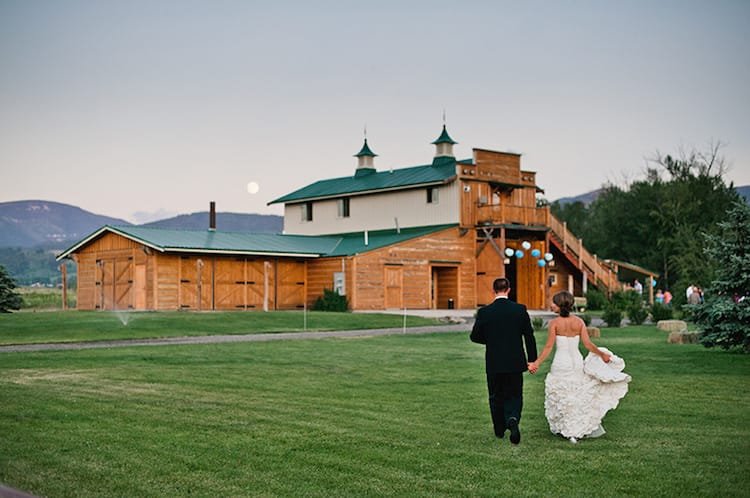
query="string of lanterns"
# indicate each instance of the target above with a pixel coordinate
(535, 253)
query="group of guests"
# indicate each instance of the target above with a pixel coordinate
(694, 294)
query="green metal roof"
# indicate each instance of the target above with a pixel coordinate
(217, 242)
(444, 138)
(365, 151)
(354, 243)
(382, 180)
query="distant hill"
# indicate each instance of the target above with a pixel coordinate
(590, 197)
(586, 198)
(230, 222)
(33, 232)
(47, 224)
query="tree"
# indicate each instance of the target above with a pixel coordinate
(725, 315)
(9, 298)
(656, 222)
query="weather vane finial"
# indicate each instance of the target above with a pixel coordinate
(443, 116)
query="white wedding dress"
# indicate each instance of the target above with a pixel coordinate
(579, 393)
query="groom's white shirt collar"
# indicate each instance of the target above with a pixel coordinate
(500, 297)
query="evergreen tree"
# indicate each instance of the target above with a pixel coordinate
(725, 315)
(9, 298)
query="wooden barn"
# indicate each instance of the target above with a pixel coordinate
(432, 236)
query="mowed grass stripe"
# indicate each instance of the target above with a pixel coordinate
(399, 415)
(79, 326)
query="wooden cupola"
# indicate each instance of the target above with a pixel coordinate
(444, 145)
(365, 165)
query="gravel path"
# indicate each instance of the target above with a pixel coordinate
(215, 339)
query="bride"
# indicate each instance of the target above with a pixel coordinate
(577, 392)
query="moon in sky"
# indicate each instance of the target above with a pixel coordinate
(252, 188)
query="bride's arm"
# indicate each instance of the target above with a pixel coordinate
(590, 345)
(547, 347)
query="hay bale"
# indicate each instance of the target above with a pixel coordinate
(594, 331)
(671, 325)
(683, 337)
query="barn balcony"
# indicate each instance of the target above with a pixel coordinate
(501, 214)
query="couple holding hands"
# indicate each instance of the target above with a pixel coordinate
(578, 392)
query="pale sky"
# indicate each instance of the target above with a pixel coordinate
(145, 109)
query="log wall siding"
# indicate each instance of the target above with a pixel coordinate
(320, 277)
(416, 258)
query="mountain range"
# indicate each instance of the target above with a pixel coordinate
(54, 225)
(32, 232)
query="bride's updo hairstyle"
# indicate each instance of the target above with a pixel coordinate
(564, 300)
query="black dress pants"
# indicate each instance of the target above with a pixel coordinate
(506, 399)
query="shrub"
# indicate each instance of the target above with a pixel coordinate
(623, 300)
(586, 318)
(331, 301)
(612, 316)
(637, 314)
(537, 322)
(596, 300)
(660, 312)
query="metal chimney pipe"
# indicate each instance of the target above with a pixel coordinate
(212, 217)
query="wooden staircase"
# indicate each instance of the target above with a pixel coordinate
(597, 272)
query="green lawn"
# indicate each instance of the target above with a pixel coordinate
(402, 415)
(30, 327)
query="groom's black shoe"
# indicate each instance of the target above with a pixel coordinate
(515, 434)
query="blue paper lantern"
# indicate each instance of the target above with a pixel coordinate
(519, 254)
(536, 253)
(653, 283)
(541, 263)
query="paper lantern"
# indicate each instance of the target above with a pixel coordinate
(519, 254)
(548, 256)
(536, 253)
(526, 244)
(509, 252)
(541, 262)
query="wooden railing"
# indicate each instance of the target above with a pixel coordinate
(598, 271)
(503, 213)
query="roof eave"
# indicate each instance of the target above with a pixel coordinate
(364, 192)
(106, 228)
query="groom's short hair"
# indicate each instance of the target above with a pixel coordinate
(501, 284)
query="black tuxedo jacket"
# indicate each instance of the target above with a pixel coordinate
(503, 327)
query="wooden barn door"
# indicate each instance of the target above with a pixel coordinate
(394, 283)
(444, 286)
(105, 280)
(123, 283)
(260, 285)
(230, 284)
(195, 283)
(290, 284)
(114, 281)
(490, 266)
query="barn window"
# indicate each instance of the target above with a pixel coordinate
(307, 211)
(432, 195)
(343, 207)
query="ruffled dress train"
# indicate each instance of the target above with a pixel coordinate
(578, 392)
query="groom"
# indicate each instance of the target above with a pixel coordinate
(503, 327)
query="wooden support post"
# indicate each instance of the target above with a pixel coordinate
(64, 271)
(266, 266)
(585, 283)
(502, 255)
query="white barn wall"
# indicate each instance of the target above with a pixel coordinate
(376, 212)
